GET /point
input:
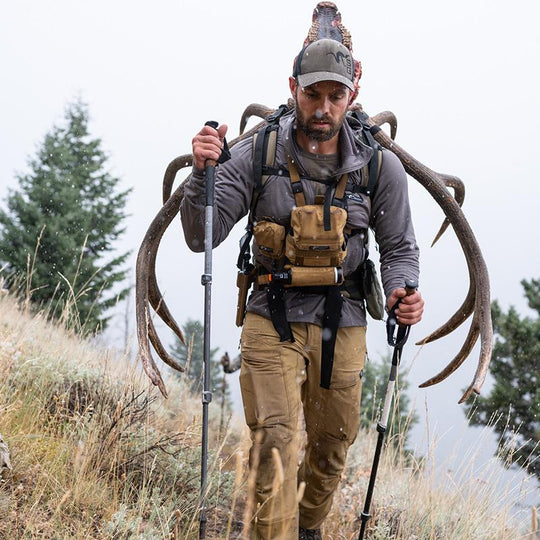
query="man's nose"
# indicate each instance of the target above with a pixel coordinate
(324, 106)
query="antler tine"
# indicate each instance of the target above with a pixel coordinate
(144, 268)
(486, 348)
(386, 117)
(477, 266)
(255, 109)
(460, 357)
(158, 302)
(147, 290)
(459, 195)
(160, 349)
(458, 318)
(171, 171)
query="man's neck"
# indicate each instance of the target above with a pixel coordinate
(317, 147)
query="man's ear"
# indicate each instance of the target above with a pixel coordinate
(292, 87)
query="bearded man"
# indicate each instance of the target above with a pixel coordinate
(303, 343)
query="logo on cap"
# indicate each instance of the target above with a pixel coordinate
(344, 59)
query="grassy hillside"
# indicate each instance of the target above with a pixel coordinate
(96, 453)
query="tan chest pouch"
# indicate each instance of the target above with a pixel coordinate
(270, 238)
(310, 242)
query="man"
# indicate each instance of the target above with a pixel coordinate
(293, 361)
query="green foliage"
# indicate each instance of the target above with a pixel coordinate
(60, 225)
(192, 356)
(373, 393)
(513, 405)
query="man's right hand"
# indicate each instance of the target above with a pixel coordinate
(208, 144)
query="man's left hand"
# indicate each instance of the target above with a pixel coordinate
(410, 309)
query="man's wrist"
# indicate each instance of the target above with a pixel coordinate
(197, 172)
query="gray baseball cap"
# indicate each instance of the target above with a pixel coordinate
(324, 60)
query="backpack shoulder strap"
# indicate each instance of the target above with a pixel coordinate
(370, 173)
(264, 156)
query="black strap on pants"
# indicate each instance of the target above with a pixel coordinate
(275, 295)
(331, 316)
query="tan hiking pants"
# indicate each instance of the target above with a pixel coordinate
(277, 380)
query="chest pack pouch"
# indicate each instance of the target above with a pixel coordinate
(317, 233)
(311, 243)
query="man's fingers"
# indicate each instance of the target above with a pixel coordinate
(411, 307)
(208, 144)
(410, 313)
(222, 131)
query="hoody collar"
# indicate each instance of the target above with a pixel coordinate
(354, 153)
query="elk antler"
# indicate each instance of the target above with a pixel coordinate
(255, 109)
(478, 297)
(147, 293)
(477, 300)
(326, 22)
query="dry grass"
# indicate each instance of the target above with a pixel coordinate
(97, 454)
(414, 500)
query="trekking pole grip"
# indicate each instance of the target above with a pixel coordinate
(211, 162)
(209, 171)
(411, 286)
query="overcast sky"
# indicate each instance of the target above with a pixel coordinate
(461, 76)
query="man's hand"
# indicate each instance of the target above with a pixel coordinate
(207, 144)
(410, 308)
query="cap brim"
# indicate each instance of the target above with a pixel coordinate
(318, 76)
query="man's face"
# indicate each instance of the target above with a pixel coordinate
(321, 109)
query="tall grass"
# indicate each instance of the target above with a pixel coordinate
(96, 453)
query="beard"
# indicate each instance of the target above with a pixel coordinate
(316, 132)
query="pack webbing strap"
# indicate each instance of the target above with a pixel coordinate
(258, 151)
(330, 325)
(296, 184)
(375, 161)
(275, 296)
(342, 184)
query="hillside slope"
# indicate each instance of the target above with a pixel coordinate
(96, 453)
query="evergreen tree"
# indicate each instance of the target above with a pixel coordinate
(61, 224)
(513, 405)
(192, 356)
(375, 383)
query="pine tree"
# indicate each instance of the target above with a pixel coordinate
(62, 223)
(513, 405)
(375, 382)
(192, 356)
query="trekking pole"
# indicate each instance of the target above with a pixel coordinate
(206, 281)
(397, 343)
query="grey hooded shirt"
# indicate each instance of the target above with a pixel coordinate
(387, 213)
